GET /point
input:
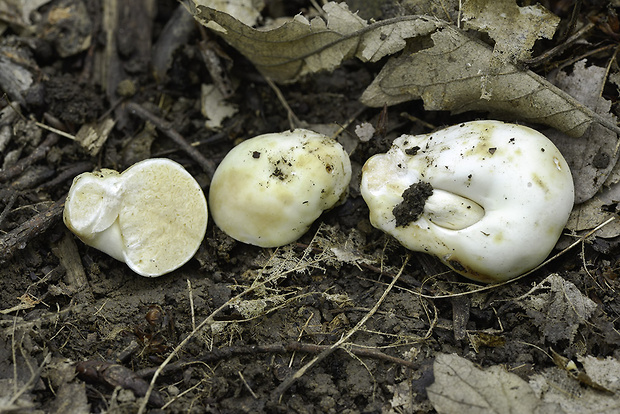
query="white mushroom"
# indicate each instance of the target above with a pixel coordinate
(153, 216)
(489, 199)
(268, 190)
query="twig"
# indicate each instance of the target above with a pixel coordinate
(75, 276)
(538, 60)
(208, 321)
(164, 126)
(69, 173)
(232, 351)
(247, 385)
(38, 154)
(55, 130)
(32, 177)
(19, 237)
(191, 302)
(286, 384)
(293, 121)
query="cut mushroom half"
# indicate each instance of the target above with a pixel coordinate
(153, 216)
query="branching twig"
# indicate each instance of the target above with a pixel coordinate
(281, 389)
(20, 236)
(164, 126)
(229, 352)
(38, 154)
(208, 321)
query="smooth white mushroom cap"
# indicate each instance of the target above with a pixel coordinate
(153, 216)
(269, 189)
(501, 195)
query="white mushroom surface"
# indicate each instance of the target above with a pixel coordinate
(489, 199)
(153, 216)
(269, 189)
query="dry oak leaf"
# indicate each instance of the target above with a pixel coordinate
(246, 11)
(557, 307)
(300, 47)
(452, 73)
(514, 28)
(556, 386)
(461, 387)
(449, 69)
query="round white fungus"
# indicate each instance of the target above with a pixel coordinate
(268, 190)
(489, 199)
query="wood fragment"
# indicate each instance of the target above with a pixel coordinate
(38, 154)
(115, 375)
(208, 166)
(225, 353)
(19, 237)
(75, 276)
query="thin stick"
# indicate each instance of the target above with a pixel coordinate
(191, 303)
(38, 154)
(533, 62)
(55, 131)
(17, 238)
(293, 121)
(208, 321)
(164, 126)
(286, 384)
(219, 354)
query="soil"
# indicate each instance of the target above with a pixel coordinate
(80, 332)
(411, 207)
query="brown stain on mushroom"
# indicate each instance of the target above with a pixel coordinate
(458, 266)
(498, 237)
(540, 182)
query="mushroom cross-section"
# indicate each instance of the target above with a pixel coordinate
(489, 199)
(153, 216)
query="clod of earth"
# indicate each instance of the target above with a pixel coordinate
(153, 216)
(269, 189)
(489, 199)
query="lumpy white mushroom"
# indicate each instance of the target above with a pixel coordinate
(489, 199)
(269, 189)
(153, 216)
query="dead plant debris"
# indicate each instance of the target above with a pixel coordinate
(344, 320)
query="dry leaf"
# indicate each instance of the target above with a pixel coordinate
(595, 169)
(557, 307)
(592, 213)
(514, 28)
(555, 386)
(401, 399)
(300, 47)
(451, 75)
(450, 71)
(461, 387)
(591, 158)
(214, 107)
(605, 372)
(448, 10)
(246, 11)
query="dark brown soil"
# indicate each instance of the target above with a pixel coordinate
(67, 308)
